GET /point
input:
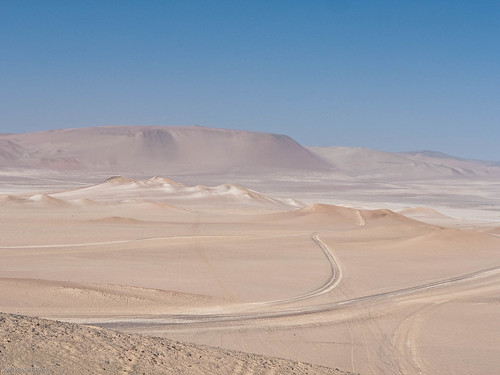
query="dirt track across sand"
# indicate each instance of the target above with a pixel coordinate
(335, 286)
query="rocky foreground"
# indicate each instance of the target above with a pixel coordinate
(39, 346)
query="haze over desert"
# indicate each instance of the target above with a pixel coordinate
(250, 187)
(334, 260)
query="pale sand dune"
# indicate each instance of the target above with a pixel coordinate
(398, 257)
(335, 286)
(166, 191)
(429, 215)
(41, 297)
(84, 202)
(422, 212)
(385, 217)
(46, 200)
(37, 200)
(317, 216)
(7, 198)
(350, 284)
(333, 218)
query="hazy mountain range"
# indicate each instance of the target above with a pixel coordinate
(199, 150)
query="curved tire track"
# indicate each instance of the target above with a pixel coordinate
(333, 281)
(440, 288)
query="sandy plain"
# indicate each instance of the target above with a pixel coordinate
(369, 291)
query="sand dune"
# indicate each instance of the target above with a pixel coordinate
(422, 212)
(385, 217)
(331, 217)
(444, 237)
(84, 202)
(156, 193)
(227, 266)
(430, 216)
(36, 200)
(165, 191)
(7, 198)
(42, 297)
(46, 200)
(323, 216)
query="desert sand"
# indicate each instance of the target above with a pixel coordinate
(326, 271)
(49, 347)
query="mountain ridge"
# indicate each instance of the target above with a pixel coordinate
(365, 163)
(164, 150)
(198, 150)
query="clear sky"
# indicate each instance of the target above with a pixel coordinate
(388, 75)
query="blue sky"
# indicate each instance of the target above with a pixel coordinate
(388, 75)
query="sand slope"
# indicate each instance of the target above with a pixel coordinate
(51, 347)
(330, 217)
(154, 193)
(163, 190)
(330, 285)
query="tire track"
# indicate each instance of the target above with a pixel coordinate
(405, 342)
(438, 288)
(334, 280)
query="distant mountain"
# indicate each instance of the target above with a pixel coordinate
(156, 150)
(365, 163)
(432, 154)
(195, 150)
(437, 154)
